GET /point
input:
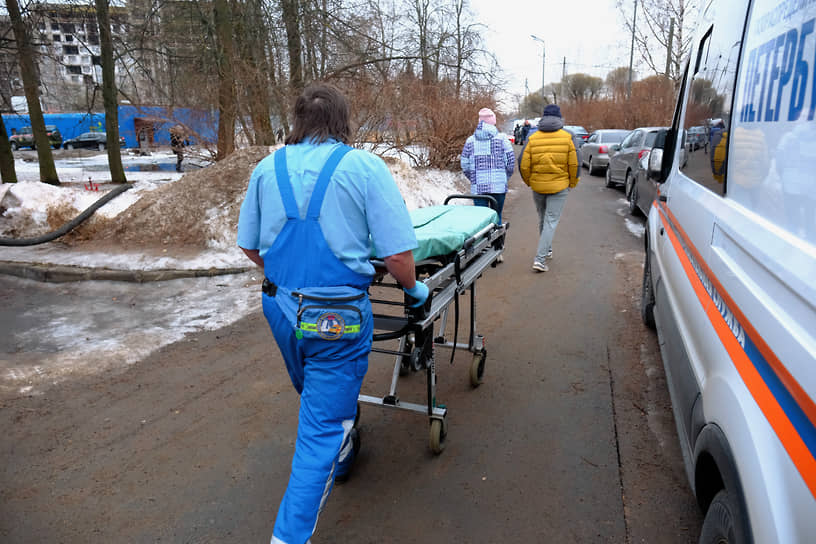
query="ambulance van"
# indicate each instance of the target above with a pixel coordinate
(729, 279)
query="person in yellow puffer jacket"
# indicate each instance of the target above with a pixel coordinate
(549, 166)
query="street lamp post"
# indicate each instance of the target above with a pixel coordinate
(543, 61)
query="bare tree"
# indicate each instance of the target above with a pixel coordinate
(662, 24)
(581, 87)
(7, 172)
(291, 21)
(616, 82)
(222, 15)
(254, 70)
(109, 94)
(27, 55)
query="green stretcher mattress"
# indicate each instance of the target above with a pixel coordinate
(441, 230)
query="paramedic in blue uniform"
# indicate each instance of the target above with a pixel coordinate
(313, 211)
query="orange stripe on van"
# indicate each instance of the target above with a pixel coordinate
(776, 416)
(797, 392)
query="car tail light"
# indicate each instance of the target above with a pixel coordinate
(642, 153)
(603, 149)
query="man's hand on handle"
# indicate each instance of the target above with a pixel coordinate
(419, 291)
(401, 266)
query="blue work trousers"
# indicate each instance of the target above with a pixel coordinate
(328, 387)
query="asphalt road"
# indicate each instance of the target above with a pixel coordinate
(569, 439)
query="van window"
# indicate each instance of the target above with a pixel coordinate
(710, 96)
(773, 156)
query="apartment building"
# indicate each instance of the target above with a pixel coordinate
(67, 38)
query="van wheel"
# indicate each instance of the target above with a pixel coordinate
(720, 523)
(647, 298)
(101, 147)
(14, 146)
(69, 147)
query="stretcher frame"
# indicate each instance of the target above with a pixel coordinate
(447, 277)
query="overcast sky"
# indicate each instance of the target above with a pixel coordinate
(590, 34)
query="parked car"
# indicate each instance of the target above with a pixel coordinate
(578, 131)
(728, 275)
(94, 140)
(696, 138)
(595, 152)
(643, 190)
(25, 138)
(626, 157)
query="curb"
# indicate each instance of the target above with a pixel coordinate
(67, 273)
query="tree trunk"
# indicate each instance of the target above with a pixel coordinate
(109, 93)
(26, 55)
(226, 80)
(7, 172)
(289, 9)
(254, 56)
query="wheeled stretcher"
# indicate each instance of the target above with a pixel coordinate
(456, 245)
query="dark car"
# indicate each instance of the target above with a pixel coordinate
(93, 140)
(25, 138)
(643, 190)
(578, 131)
(626, 158)
(595, 151)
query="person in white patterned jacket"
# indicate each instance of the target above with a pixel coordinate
(488, 161)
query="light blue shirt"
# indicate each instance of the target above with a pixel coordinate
(362, 208)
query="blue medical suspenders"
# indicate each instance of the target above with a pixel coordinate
(327, 373)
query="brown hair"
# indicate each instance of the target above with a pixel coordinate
(321, 112)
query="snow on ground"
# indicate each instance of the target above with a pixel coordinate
(88, 327)
(24, 210)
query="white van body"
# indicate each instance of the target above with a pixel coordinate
(730, 271)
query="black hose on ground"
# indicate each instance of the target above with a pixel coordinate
(70, 225)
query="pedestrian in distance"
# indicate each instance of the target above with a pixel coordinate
(525, 130)
(311, 215)
(144, 143)
(488, 161)
(549, 166)
(177, 144)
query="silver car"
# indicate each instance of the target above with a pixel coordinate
(626, 157)
(595, 151)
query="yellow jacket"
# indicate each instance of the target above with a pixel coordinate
(549, 164)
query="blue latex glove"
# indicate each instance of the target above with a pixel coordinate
(419, 292)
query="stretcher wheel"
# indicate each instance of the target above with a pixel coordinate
(405, 360)
(439, 431)
(416, 359)
(477, 368)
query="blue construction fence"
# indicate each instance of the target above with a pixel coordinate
(200, 127)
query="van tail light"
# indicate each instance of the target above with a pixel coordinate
(603, 149)
(642, 153)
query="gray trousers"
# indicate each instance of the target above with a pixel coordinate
(549, 207)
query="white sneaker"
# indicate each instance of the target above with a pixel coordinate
(539, 267)
(549, 254)
(500, 259)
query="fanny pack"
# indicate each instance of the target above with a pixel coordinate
(322, 313)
